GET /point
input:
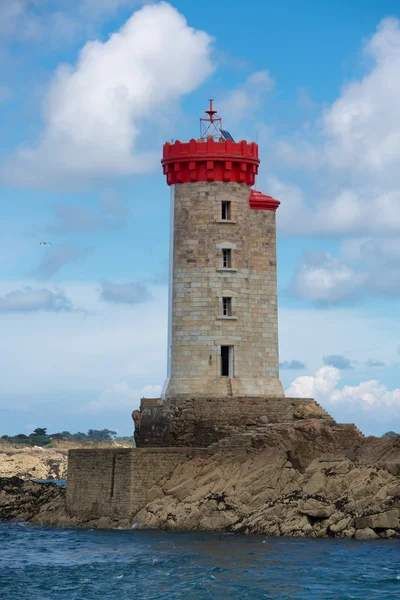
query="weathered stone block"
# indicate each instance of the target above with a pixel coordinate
(384, 520)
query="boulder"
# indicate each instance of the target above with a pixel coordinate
(387, 534)
(383, 520)
(340, 525)
(366, 534)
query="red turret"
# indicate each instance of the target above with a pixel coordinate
(215, 156)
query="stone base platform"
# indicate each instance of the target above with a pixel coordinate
(193, 421)
(113, 484)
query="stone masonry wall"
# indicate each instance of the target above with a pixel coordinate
(114, 483)
(199, 283)
(200, 422)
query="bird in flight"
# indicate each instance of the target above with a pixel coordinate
(45, 243)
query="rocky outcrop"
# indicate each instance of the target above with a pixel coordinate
(305, 478)
(20, 500)
(33, 463)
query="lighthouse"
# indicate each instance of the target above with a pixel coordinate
(223, 314)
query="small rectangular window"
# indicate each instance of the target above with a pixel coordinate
(226, 210)
(227, 307)
(226, 258)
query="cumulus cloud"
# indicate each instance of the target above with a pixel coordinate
(57, 21)
(370, 404)
(97, 112)
(245, 99)
(325, 280)
(57, 257)
(351, 151)
(365, 267)
(337, 361)
(31, 300)
(121, 397)
(125, 293)
(292, 365)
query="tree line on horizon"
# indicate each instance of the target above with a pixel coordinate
(40, 437)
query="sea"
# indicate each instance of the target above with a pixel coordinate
(43, 563)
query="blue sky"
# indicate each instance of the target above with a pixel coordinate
(90, 90)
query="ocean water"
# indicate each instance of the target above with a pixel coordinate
(76, 564)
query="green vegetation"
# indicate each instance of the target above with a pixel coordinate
(40, 437)
(391, 434)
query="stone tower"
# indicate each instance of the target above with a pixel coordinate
(223, 321)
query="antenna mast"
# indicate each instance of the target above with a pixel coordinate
(210, 126)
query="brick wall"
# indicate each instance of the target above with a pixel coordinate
(114, 482)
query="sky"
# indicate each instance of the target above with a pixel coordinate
(89, 92)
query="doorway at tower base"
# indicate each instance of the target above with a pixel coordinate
(223, 386)
(193, 421)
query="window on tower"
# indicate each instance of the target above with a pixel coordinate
(226, 258)
(227, 361)
(227, 307)
(226, 210)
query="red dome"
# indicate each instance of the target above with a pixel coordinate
(259, 201)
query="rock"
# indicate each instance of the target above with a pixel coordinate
(309, 411)
(348, 533)
(340, 525)
(24, 501)
(387, 534)
(182, 490)
(316, 485)
(154, 493)
(383, 520)
(218, 521)
(365, 534)
(316, 508)
(34, 463)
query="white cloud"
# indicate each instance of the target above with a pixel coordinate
(365, 267)
(57, 21)
(338, 361)
(95, 112)
(77, 354)
(125, 293)
(355, 333)
(243, 101)
(351, 155)
(31, 300)
(325, 280)
(362, 128)
(370, 403)
(121, 397)
(292, 365)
